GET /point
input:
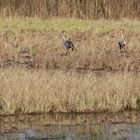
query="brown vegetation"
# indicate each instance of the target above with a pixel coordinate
(92, 9)
(94, 51)
(36, 76)
(26, 91)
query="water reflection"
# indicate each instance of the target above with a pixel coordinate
(81, 132)
(40, 128)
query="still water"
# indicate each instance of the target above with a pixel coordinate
(74, 127)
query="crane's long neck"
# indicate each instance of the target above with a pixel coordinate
(122, 35)
(64, 36)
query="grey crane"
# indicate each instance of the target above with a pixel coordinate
(68, 44)
(122, 42)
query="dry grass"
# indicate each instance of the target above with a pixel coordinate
(94, 51)
(38, 43)
(53, 82)
(29, 91)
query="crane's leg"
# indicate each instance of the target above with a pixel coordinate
(67, 51)
(72, 48)
(124, 48)
(120, 46)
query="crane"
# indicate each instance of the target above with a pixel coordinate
(68, 44)
(122, 42)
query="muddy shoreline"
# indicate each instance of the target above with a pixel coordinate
(10, 124)
(76, 118)
(74, 132)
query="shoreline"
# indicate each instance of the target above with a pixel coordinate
(77, 119)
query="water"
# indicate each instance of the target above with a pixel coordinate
(82, 132)
(71, 127)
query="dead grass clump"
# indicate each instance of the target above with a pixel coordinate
(58, 91)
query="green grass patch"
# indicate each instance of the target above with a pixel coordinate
(68, 24)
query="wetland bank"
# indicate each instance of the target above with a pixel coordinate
(36, 77)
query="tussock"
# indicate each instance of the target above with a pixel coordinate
(26, 91)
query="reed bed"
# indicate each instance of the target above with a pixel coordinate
(91, 9)
(28, 91)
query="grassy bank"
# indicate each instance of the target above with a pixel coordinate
(38, 44)
(36, 76)
(71, 25)
(26, 91)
